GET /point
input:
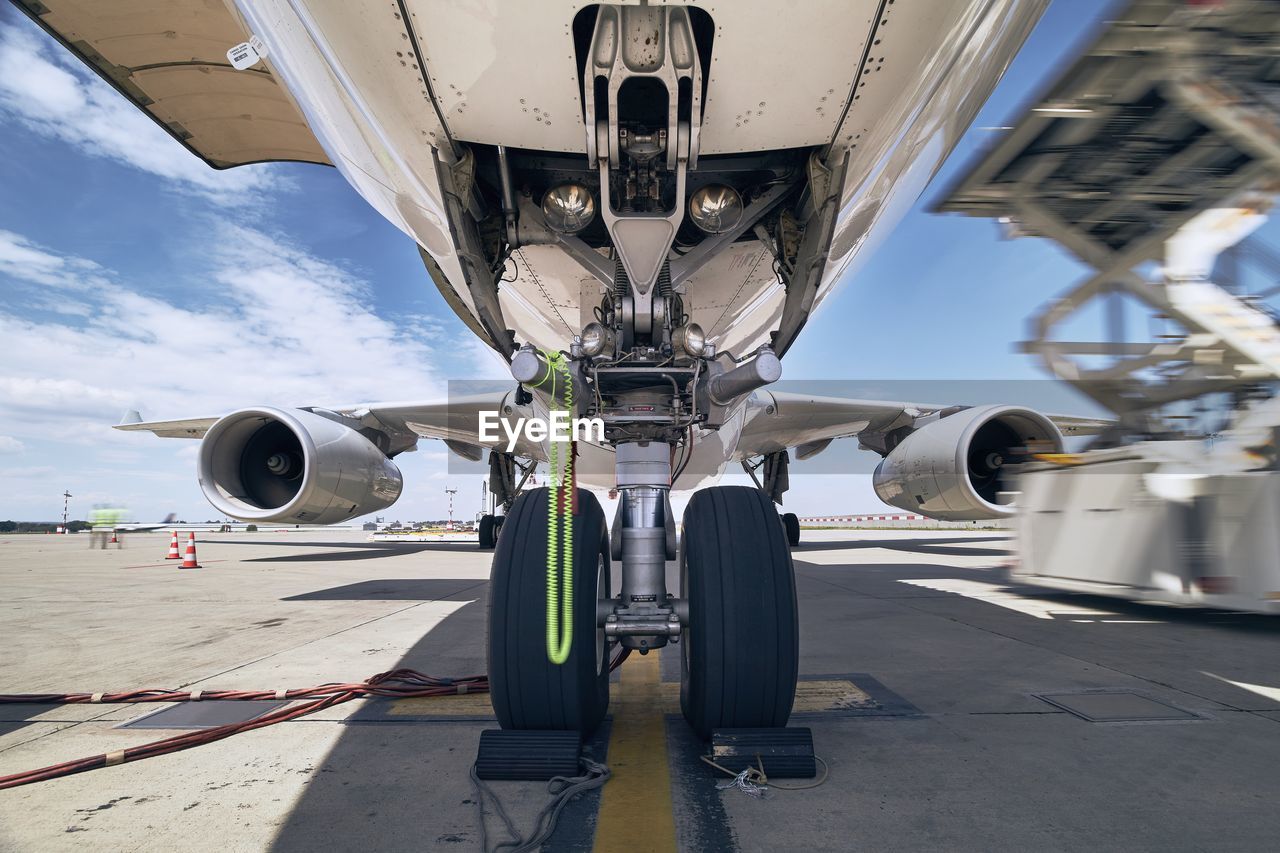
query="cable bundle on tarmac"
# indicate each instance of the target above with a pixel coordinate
(396, 684)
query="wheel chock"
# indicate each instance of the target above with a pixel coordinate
(528, 755)
(785, 753)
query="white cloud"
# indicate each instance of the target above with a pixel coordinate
(279, 326)
(39, 472)
(9, 444)
(51, 93)
(485, 363)
(20, 259)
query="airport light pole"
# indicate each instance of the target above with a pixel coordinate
(66, 502)
(450, 492)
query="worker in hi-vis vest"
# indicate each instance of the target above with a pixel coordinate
(99, 526)
(104, 522)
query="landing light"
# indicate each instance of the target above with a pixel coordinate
(568, 208)
(596, 339)
(690, 338)
(716, 208)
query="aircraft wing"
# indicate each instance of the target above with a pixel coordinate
(809, 423)
(454, 421)
(169, 57)
(187, 428)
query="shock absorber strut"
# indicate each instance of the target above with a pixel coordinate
(645, 616)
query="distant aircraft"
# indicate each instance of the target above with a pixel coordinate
(134, 527)
(639, 206)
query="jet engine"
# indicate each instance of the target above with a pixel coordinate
(956, 468)
(294, 466)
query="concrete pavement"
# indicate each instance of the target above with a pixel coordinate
(921, 669)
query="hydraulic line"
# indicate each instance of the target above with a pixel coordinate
(560, 525)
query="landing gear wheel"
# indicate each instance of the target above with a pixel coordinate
(740, 652)
(791, 523)
(528, 690)
(488, 532)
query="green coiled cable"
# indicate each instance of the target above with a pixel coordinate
(559, 526)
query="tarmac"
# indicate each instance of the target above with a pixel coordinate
(937, 693)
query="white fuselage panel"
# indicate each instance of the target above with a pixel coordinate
(506, 74)
(892, 87)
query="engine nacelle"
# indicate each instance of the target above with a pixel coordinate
(293, 466)
(955, 468)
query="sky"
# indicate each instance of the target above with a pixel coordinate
(133, 276)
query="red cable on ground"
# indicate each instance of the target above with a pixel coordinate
(396, 684)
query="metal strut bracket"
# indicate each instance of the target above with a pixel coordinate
(634, 46)
(776, 477)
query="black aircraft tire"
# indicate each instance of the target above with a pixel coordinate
(740, 651)
(528, 691)
(791, 523)
(488, 532)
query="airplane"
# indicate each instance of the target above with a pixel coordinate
(639, 206)
(136, 527)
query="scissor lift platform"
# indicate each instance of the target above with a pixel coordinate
(1155, 151)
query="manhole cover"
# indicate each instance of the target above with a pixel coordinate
(1116, 706)
(203, 715)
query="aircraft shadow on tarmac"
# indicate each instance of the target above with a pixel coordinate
(912, 546)
(1207, 618)
(398, 782)
(400, 589)
(15, 717)
(1233, 620)
(397, 779)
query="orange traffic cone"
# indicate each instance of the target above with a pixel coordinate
(189, 561)
(114, 539)
(173, 548)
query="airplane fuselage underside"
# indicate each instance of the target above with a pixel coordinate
(861, 101)
(640, 206)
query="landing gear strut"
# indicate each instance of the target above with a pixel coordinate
(645, 616)
(776, 482)
(654, 381)
(505, 488)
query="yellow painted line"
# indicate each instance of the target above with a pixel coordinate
(635, 809)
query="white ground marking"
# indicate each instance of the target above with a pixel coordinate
(1272, 693)
(1000, 596)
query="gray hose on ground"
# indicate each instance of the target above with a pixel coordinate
(562, 790)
